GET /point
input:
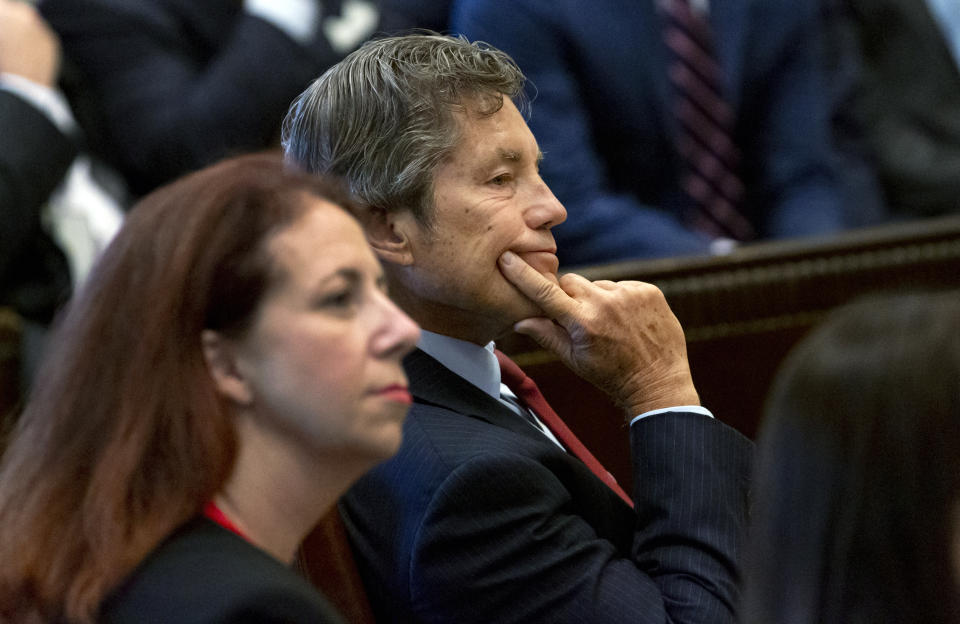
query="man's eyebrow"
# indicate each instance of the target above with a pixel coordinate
(515, 156)
(506, 154)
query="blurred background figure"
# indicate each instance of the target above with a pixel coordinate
(163, 87)
(907, 98)
(34, 158)
(230, 368)
(399, 16)
(675, 127)
(857, 491)
(56, 216)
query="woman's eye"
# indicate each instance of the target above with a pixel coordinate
(338, 299)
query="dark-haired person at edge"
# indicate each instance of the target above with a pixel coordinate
(230, 368)
(856, 516)
(484, 515)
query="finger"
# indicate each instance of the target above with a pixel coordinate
(605, 284)
(545, 333)
(574, 284)
(549, 296)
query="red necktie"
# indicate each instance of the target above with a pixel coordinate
(704, 137)
(528, 392)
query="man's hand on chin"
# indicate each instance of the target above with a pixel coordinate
(620, 336)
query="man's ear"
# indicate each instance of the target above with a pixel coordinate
(388, 234)
(220, 355)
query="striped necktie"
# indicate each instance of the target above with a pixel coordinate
(526, 389)
(704, 132)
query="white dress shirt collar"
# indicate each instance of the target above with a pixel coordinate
(476, 364)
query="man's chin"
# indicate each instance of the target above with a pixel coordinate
(522, 309)
(518, 306)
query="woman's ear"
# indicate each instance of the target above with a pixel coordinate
(221, 358)
(388, 234)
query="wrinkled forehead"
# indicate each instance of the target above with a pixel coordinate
(500, 136)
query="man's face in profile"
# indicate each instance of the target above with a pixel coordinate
(488, 198)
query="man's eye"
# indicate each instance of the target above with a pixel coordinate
(501, 179)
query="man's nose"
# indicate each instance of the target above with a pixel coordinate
(545, 210)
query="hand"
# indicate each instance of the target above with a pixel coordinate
(28, 47)
(620, 336)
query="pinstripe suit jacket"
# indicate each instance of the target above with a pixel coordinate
(479, 518)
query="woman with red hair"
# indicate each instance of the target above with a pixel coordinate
(231, 367)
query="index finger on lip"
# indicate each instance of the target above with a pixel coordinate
(545, 293)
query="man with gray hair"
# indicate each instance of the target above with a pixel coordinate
(492, 511)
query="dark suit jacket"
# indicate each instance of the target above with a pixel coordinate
(480, 518)
(205, 574)
(602, 114)
(401, 16)
(34, 156)
(169, 86)
(908, 101)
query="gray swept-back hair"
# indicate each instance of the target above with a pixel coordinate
(383, 118)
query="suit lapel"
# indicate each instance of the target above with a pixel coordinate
(433, 383)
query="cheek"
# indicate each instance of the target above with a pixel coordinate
(479, 253)
(316, 395)
(306, 368)
(336, 364)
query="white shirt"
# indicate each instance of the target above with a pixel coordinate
(479, 366)
(302, 20)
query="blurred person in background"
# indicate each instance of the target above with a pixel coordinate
(907, 96)
(56, 215)
(399, 16)
(163, 87)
